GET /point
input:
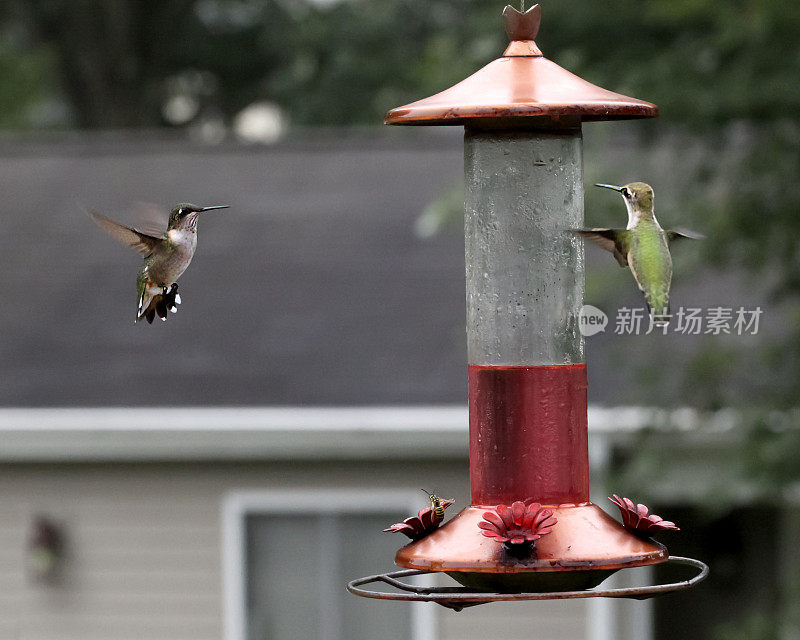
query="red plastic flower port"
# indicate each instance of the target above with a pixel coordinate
(517, 524)
(635, 517)
(420, 525)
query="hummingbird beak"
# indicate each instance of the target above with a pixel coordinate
(609, 186)
(219, 206)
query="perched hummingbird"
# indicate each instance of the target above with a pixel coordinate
(643, 246)
(165, 258)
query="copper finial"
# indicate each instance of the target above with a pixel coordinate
(522, 25)
(522, 28)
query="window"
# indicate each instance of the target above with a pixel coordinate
(287, 559)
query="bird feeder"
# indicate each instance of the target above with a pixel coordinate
(522, 115)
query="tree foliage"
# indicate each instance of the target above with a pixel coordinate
(347, 61)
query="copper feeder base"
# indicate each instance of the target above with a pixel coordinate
(584, 549)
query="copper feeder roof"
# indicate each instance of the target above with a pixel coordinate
(522, 83)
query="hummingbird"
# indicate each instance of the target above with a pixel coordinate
(166, 257)
(643, 247)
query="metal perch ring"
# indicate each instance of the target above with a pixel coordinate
(459, 597)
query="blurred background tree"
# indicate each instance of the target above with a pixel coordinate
(342, 62)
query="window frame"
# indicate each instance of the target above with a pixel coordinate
(239, 505)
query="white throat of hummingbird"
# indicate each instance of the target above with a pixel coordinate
(635, 213)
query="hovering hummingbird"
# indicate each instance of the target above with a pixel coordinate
(165, 257)
(643, 246)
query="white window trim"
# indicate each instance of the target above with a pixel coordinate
(602, 613)
(331, 502)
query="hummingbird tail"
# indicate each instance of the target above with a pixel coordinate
(659, 314)
(158, 304)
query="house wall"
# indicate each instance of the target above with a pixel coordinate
(144, 543)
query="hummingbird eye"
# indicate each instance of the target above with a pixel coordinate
(626, 193)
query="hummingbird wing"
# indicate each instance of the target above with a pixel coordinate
(143, 243)
(614, 240)
(149, 218)
(683, 234)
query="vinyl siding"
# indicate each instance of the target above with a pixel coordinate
(144, 548)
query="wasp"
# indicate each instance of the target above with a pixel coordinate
(436, 505)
